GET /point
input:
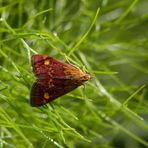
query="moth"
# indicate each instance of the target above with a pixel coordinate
(54, 79)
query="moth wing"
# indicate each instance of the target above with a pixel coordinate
(45, 67)
(42, 92)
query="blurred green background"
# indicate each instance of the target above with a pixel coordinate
(106, 38)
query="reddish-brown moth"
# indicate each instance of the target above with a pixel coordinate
(54, 79)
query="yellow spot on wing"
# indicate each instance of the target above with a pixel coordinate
(50, 83)
(46, 95)
(50, 71)
(46, 62)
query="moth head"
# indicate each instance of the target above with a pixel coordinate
(85, 77)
